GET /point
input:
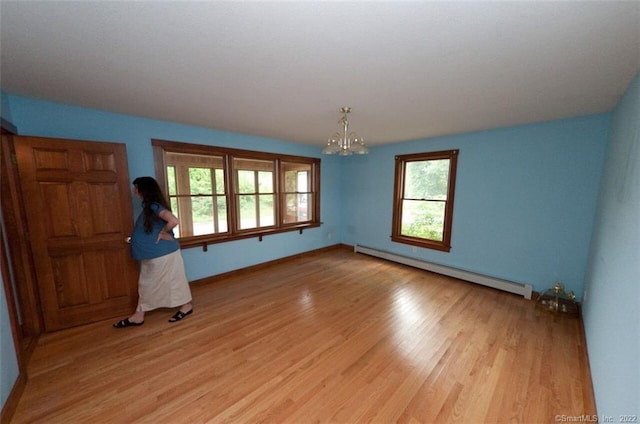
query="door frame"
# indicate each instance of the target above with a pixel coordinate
(24, 316)
(20, 286)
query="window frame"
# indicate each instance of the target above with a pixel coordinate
(161, 147)
(400, 174)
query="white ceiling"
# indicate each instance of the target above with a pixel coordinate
(283, 69)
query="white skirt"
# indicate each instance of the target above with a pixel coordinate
(163, 283)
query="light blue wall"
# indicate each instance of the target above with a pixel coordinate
(5, 109)
(8, 359)
(611, 307)
(524, 203)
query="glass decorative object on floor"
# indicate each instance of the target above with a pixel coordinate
(558, 301)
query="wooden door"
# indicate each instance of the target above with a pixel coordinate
(78, 207)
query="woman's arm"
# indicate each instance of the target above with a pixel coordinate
(171, 221)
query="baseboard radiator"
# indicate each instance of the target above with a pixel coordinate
(496, 283)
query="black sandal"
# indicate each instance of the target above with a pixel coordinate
(179, 315)
(126, 323)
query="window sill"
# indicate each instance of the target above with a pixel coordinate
(206, 240)
(427, 244)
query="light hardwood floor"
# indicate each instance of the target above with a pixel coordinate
(331, 337)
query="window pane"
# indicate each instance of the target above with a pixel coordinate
(297, 208)
(265, 182)
(426, 179)
(248, 215)
(291, 181)
(305, 207)
(247, 212)
(246, 182)
(200, 181)
(296, 177)
(267, 211)
(248, 170)
(202, 215)
(174, 209)
(222, 214)
(171, 180)
(303, 181)
(423, 219)
(219, 181)
(182, 210)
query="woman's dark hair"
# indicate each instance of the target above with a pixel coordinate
(151, 193)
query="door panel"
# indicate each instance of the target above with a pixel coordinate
(79, 213)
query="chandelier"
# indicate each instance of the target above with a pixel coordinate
(345, 143)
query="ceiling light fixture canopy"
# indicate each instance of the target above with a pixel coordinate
(347, 143)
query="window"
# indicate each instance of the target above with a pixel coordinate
(221, 194)
(423, 199)
(196, 192)
(298, 197)
(254, 193)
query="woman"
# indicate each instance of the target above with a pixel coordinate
(162, 281)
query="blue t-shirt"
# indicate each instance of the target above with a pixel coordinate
(143, 244)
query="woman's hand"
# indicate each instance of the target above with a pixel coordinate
(163, 235)
(170, 223)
